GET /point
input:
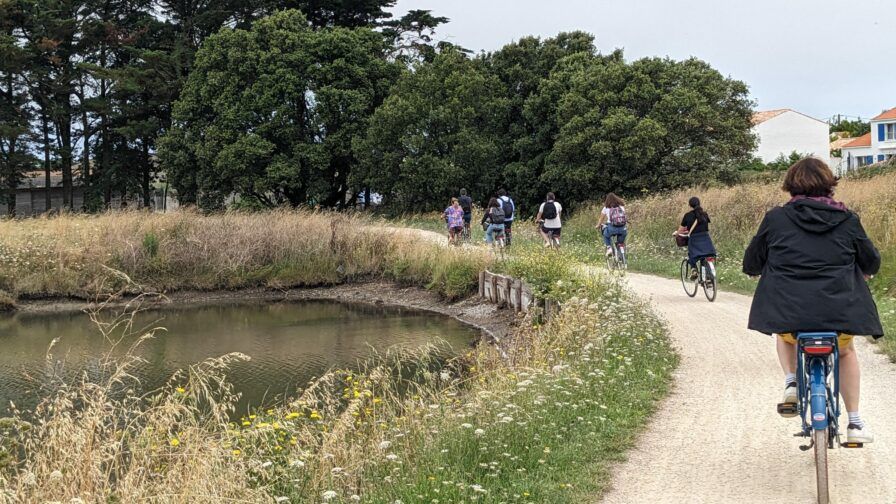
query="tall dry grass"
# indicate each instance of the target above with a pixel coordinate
(736, 213)
(70, 255)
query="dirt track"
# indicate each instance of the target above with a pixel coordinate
(717, 438)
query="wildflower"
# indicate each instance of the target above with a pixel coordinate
(385, 445)
(174, 442)
(246, 423)
(236, 453)
(328, 495)
(181, 390)
(292, 415)
(314, 415)
(466, 426)
(355, 498)
(479, 432)
(280, 499)
(297, 463)
(56, 475)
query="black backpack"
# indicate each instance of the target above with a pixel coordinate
(507, 206)
(549, 211)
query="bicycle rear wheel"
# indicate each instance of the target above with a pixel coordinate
(820, 442)
(690, 286)
(709, 283)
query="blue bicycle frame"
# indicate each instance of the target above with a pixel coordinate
(817, 358)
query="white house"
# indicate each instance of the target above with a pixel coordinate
(784, 131)
(873, 147)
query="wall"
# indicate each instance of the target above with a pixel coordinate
(790, 132)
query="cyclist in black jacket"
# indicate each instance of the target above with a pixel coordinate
(814, 259)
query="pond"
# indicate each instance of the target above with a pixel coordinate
(289, 343)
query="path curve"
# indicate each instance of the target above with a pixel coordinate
(717, 437)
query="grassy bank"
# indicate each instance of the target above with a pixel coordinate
(73, 255)
(736, 213)
(539, 420)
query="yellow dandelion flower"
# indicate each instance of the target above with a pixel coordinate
(315, 415)
(246, 423)
(292, 415)
(174, 442)
(252, 417)
(236, 453)
(181, 390)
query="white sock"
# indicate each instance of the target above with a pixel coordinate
(855, 419)
(789, 378)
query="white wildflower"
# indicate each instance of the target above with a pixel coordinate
(328, 495)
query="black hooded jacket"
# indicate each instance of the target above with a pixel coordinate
(812, 258)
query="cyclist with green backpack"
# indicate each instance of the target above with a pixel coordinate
(613, 222)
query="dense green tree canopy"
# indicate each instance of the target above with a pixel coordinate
(650, 125)
(435, 135)
(553, 115)
(270, 113)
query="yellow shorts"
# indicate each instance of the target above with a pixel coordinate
(843, 340)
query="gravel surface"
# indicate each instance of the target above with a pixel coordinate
(717, 438)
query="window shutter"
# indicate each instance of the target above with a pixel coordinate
(880, 157)
(869, 159)
(881, 133)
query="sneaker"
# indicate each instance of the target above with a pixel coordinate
(790, 393)
(609, 251)
(856, 434)
(693, 275)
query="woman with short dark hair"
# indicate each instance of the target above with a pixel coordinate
(814, 258)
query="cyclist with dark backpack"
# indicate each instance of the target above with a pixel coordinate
(613, 222)
(493, 220)
(549, 220)
(509, 210)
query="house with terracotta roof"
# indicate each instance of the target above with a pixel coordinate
(875, 146)
(784, 131)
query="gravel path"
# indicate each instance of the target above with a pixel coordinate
(717, 437)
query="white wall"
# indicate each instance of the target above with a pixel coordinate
(850, 155)
(790, 132)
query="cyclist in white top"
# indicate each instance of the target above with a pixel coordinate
(549, 219)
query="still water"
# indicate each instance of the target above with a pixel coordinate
(289, 343)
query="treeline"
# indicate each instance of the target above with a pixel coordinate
(240, 102)
(87, 87)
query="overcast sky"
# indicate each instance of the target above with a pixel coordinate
(820, 57)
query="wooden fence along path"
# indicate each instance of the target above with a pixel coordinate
(513, 293)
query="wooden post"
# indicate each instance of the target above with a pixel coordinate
(482, 284)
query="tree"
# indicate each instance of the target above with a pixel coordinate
(15, 109)
(528, 129)
(270, 113)
(435, 134)
(411, 36)
(852, 128)
(652, 125)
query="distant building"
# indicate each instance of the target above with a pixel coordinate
(31, 196)
(784, 131)
(875, 146)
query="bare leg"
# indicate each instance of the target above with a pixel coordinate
(850, 377)
(787, 356)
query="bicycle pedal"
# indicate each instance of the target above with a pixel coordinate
(852, 445)
(788, 409)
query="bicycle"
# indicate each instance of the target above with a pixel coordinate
(465, 234)
(705, 277)
(818, 389)
(617, 261)
(553, 236)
